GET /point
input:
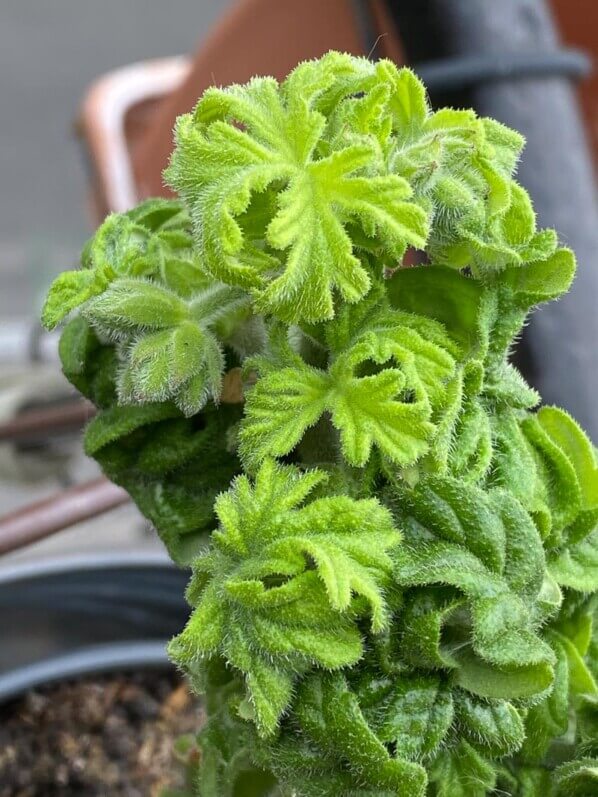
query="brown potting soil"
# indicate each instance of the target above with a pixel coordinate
(109, 736)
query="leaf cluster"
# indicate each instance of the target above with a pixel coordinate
(398, 595)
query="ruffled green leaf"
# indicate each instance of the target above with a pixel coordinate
(117, 422)
(542, 280)
(461, 771)
(550, 718)
(339, 657)
(68, 291)
(570, 635)
(577, 778)
(135, 304)
(461, 167)
(159, 458)
(151, 240)
(275, 593)
(577, 566)
(168, 344)
(303, 241)
(413, 713)
(566, 474)
(494, 727)
(380, 391)
(329, 714)
(90, 365)
(481, 546)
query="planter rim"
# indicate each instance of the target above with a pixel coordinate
(136, 596)
(101, 560)
(95, 660)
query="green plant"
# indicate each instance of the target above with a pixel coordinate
(399, 597)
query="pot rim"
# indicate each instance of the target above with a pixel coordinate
(102, 560)
(94, 660)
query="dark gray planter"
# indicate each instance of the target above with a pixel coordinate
(81, 615)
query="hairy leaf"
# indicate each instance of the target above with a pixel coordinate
(494, 727)
(218, 169)
(275, 593)
(480, 545)
(406, 604)
(168, 344)
(152, 240)
(390, 408)
(462, 771)
(414, 712)
(330, 715)
(577, 778)
(566, 474)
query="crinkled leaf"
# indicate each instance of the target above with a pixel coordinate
(414, 713)
(151, 240)
(566, 474)
(494, 727)
(273, 594)
(480, 546)
(131, 304)
(391, 408)
(577, 566)
(461, 771)
(549, 718)
(218, 169)
(577, 778)
(330, 714)
(542, 280)
(169, 344)
(68, 291)
(116, 422)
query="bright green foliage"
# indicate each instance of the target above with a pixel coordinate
(494, 727)
(390, 407)
(487, 548)
(399, 594)
(150, 241)
(461, 771)
(168, 345)
(279, 193)
(412, 712)
(339, 747)
(152, 451)
(141, 286)
(579, 778)
(277, 593)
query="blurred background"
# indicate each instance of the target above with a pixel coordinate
(50, 55)
(89, 93)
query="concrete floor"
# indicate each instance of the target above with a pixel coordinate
(50, 51)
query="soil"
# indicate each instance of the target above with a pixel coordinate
(111, 736)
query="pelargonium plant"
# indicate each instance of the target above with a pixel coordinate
(394, 551)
